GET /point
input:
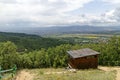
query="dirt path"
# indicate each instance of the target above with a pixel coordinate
(62, 72)
(118, 75)
(111, 69)
(24, 75)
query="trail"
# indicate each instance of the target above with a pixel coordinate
(111, 69)
(24, 75)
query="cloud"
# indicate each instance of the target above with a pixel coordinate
(117, 14)
(113, 15)
(52, 12)
(7, 1)
(108, 18)
(112, 1)
(38, 11)
(45, 5)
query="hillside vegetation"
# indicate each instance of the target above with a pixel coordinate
(26, 42)
(53, 56)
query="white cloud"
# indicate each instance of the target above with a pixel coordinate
(113, 15)
(112, 1)
(7, 1)
(109, 18)
(52, 12)
(117, 14)
(40, 11)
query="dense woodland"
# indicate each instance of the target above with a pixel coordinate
(38, 52)
(26, 42)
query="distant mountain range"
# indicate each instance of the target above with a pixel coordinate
(62, 29)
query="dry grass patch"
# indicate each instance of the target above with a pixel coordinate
(62, 74)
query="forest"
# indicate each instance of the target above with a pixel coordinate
(28, 42)
(31, 51)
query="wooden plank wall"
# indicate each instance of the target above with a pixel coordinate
(84, 62)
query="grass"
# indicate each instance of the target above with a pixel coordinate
(79, 75)
(7, 76)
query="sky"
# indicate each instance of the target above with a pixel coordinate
(45, 13)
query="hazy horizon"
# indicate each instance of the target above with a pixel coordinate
(22, 14)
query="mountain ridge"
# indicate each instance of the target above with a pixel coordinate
(62, 29)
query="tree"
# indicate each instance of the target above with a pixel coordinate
(8, 54)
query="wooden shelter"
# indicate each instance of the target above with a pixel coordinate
(83, 58)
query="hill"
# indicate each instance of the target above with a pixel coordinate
(27, 42)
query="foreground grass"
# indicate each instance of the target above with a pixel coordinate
(7, 76)
(46, 74)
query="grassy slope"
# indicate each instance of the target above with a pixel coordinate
(79, 75)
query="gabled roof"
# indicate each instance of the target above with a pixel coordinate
(82, 53)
